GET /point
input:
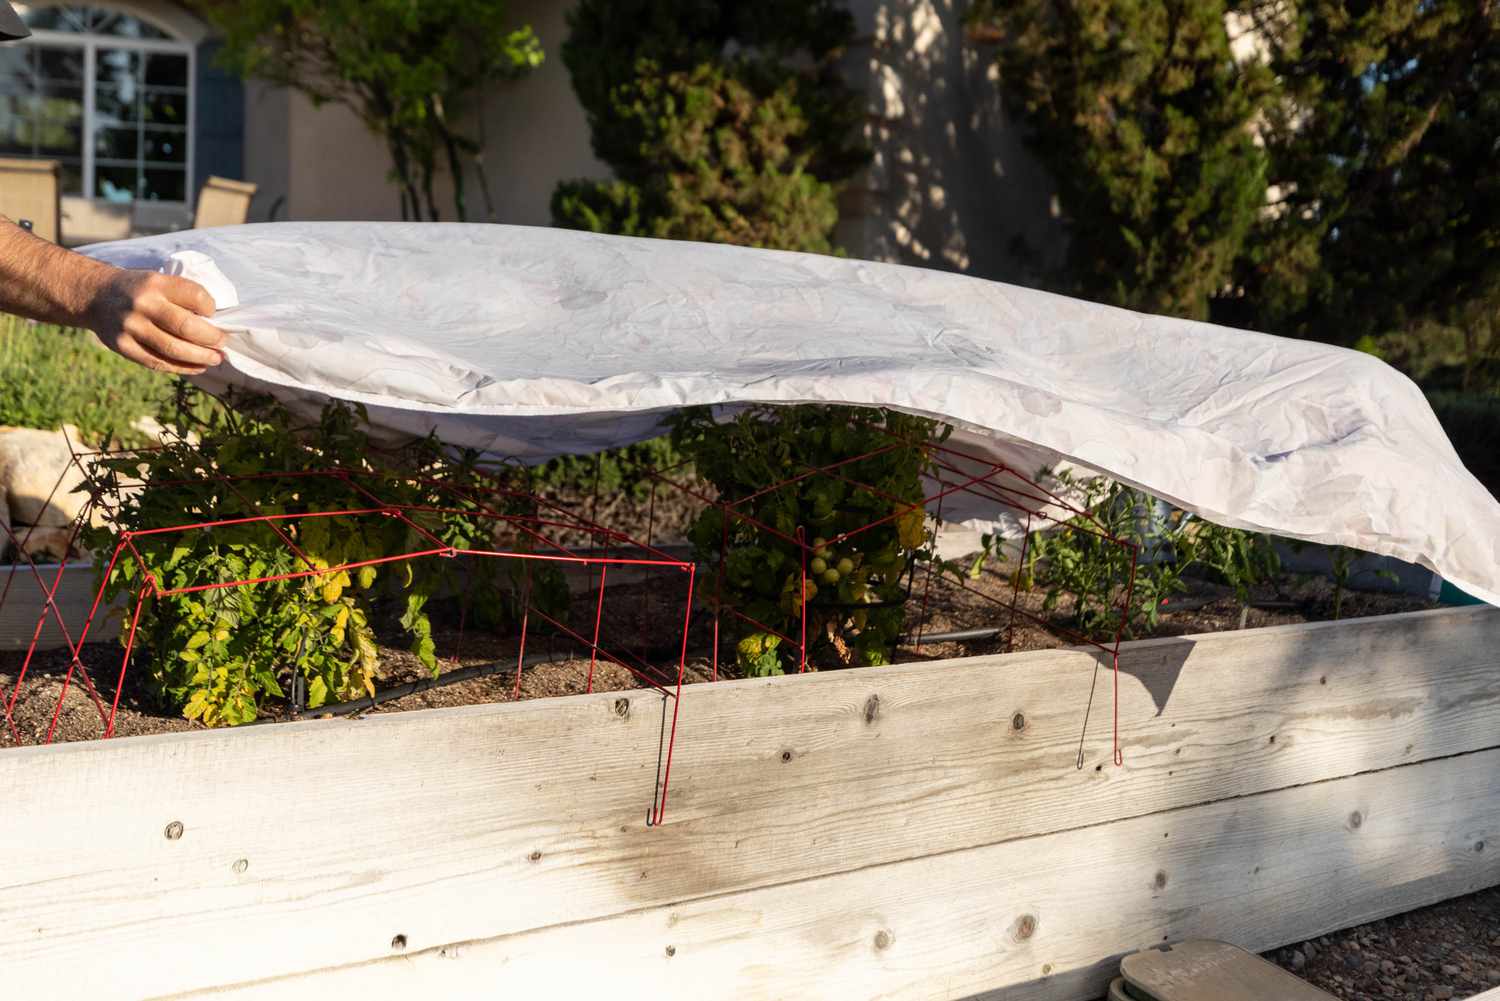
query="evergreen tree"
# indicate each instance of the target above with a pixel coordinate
(1384, 142)
(1337, 182)
(722, 121)
(1143, 118)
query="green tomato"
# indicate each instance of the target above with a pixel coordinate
(819, 543)
(818, 565)
(830, 576)
(846, 566)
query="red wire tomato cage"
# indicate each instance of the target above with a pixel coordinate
(547, 534)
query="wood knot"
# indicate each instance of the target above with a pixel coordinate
(1025, 926)
(399, 943)
(1356, 819)
(872, 708)
(535, 856)
(883, 939)
(622, 708)
(671, 951)
(1161, 879)
(1018, 722)
(1479, 846)
(173, 831)
(241, 865)
(786, 756)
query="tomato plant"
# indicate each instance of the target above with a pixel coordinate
(217, 654)
(855, 590)
(1075, 560)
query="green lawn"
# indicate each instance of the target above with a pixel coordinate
(51, 376)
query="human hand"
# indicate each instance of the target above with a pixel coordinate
(156, 320)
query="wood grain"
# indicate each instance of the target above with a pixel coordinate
(1039, 918)
(25, 601)
(465, 824)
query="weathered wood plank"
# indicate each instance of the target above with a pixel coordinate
(1038, 918)
(25, 601)
(472, 823)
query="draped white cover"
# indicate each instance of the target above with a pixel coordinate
(533, 342)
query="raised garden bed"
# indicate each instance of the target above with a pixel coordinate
(925, 830)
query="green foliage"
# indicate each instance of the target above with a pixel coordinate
(408, 70)
(1141, 114)
(50, 376)
(854, 585)
(1382, 145)
(1338, 182)
(722, 122)
(1078, 561)
(617, 471)
(217, 653)
(1472, 421)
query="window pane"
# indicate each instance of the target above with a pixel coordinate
(119, 68)
(165, 185)
(126, 26)
(165, 108)
(15, 125)
(58, 138)
(15, 68)
(165, 146)
(166, 69)
(114, 183)
(60, 102)
(63, 65)
(48, 18)
(117, 144)
(113, 106)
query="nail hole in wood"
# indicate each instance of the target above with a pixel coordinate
(1161, 879)
(1479, 846)
(786, 756)
(1355, 819)
(535, 856)
(1018, 722)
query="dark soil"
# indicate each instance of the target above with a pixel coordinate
(642, 631)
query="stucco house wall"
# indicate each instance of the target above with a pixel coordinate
(951, 184)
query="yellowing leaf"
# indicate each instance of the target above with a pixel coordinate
(366, 577)
(200, 638)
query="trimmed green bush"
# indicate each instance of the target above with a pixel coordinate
(722, 122)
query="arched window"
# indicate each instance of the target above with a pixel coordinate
(107, 94)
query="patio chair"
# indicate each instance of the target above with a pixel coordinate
(29, 189)
(223, 202)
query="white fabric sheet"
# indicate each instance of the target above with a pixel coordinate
(533, 342)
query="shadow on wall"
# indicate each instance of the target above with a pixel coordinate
(951, 185)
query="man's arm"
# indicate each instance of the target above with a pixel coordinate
(154, 319)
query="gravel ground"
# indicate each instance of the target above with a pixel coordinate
(1449, 950)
